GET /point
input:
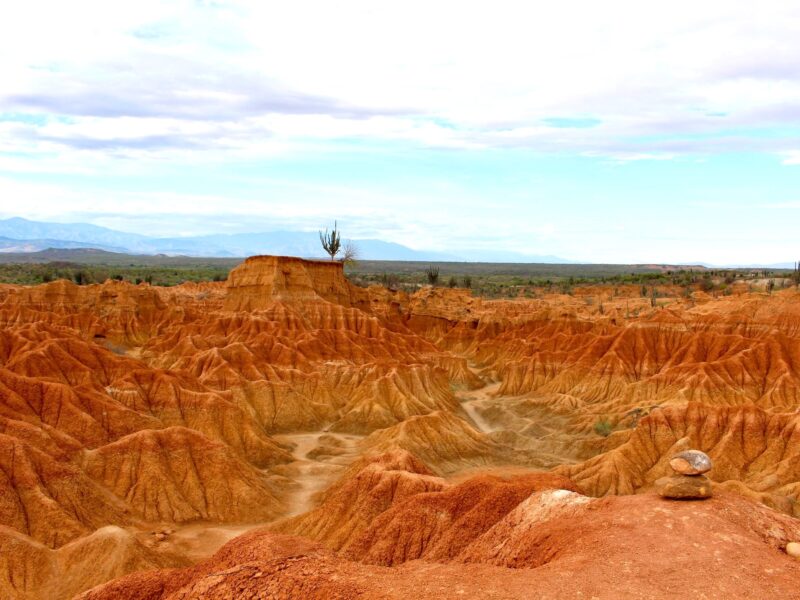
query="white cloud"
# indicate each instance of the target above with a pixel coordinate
(791, 157)
(449, 74)
(621, 158)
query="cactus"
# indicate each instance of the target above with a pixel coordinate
(331, 242)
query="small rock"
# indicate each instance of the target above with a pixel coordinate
(691, 462)
(793, 549)
(684, 487)
(160, 537)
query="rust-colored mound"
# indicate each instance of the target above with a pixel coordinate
(115, 312)
(438, 525)
(757, 452)
(350, 507)
(388, 509)
(441, 440)
(668, 358)
(260, 280)
(32, 571)
(51, 501)
(554, 529)
(626, 547)
(178, 475)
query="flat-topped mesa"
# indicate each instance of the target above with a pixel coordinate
(261, 280)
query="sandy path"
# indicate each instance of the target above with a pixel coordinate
(314, 474)
(198, 541)
(473, 400)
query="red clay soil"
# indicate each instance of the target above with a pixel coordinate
(351, 505)
(439, 525)
(616, 547)
(391, 509)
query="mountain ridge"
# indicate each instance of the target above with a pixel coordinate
(34, 236)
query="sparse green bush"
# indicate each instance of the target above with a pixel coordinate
(432, 273)
(389, 280)
(603, 427)
(452, 282)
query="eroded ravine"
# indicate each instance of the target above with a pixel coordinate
(531, 434)
(319, 458)
(474, 402)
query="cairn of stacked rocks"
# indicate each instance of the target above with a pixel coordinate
(689, 482)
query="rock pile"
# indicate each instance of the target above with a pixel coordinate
(690, 482)
(793, 549)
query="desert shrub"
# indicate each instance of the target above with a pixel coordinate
(350, 254)
(603, 427)
(432, 273)
(452, 282)
(389, 280)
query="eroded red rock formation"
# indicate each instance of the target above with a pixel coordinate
(555, 544)
(418, 430)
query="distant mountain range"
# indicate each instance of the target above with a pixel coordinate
(8, 245)
(21, 235)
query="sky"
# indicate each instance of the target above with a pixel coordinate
(596, 131)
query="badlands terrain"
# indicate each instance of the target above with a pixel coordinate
(286, 434)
